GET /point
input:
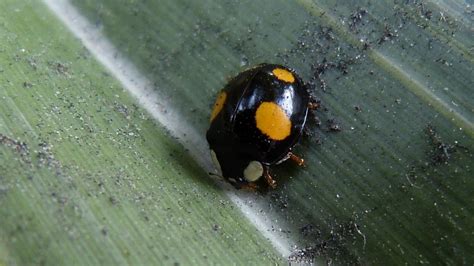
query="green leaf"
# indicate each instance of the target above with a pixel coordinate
(87, 175)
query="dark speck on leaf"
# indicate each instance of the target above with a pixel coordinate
(113, 200)
(387, 35)
(356, 18)
(27, 85)
(440, 151)
(18, 146)
(334, 242)
(333, 125)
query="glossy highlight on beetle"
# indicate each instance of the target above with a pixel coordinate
(256, 120)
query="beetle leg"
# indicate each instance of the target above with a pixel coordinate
(268, 178)
(298, 160)
(250, 187)
(313, 105)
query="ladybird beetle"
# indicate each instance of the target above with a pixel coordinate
(257, 119)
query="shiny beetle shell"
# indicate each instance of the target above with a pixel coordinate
(257, 119)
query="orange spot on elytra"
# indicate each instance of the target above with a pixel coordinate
(272, 121)
(284, 75)
(218, 105)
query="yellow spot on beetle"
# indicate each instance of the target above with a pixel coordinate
(284, 75)
(218, 105)
(272, 121)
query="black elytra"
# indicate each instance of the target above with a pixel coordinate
(258, 117)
